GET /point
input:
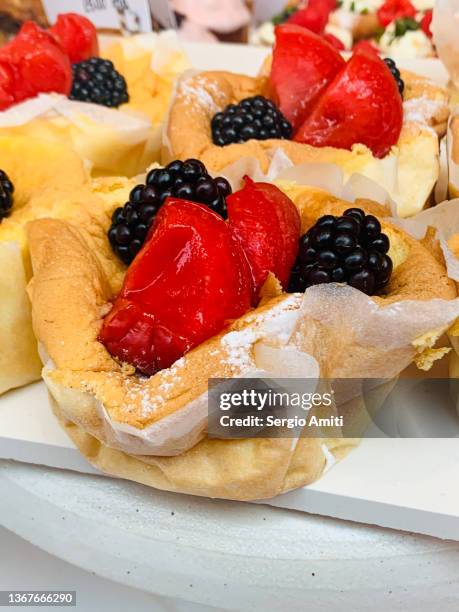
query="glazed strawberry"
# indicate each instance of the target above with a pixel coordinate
(335, 42)
(39, 62)
(392, 10)
(7, 83)
(365, 45)
(362, 105)
(76, 35)
(187, 283)
(303, 65)
(426, 24)
(314, 15)
(267, 225)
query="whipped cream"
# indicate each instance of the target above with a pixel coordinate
(413, 44)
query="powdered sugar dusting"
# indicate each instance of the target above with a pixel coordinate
(276, 324)
(421, 110)
(238, 345)
(201, 92)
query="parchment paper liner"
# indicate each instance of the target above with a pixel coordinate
(342, 329)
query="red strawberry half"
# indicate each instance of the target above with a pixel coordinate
(76, 35)
(188, 282)
(303, 65)
(38, 63)
(267, 225)
(314, 15)
(391, 10)
(361, 105)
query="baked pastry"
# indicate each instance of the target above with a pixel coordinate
(177, 296)
(403, 158)
(50, 180)
(117, 102)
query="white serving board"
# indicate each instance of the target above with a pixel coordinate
(406, 484)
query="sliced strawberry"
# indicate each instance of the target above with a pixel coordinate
(303, 65)
(367, 46)
(335, 42)
(314, 15)
(188, 282)
(362, 105)
(76, 35)
(40, 63)
(392, 10)
(7, 84)
(426, 23)
(267, 225)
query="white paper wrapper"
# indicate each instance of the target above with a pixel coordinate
(102, 136)
(328, 177)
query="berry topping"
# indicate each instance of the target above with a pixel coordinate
(187, 180)
(33, 63)
(6, 195)
(255, 117)
(361, 105)
(391, 10)
(267, 225)
(188, 282)
(396, 74)
(314, 16)
(303, 65)
(426, 23)
(96, 80)
(76, 35)
(7, 85)
(349, 249)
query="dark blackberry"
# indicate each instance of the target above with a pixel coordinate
(255, 117)
(188, 180)
(349, 249)
(96, 80)
(6, 195)
(396, 74)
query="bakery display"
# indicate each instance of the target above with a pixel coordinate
(309, 82)
(55, 85)
(129, 381)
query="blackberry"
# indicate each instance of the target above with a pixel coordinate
(96, 80)
(349, 249)
(396, 74)
(6, 195)
(188, 180)
(255, 117)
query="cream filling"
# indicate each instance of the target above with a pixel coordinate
(413, 44)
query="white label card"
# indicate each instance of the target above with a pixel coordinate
(128, 16)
